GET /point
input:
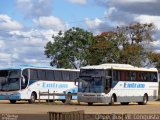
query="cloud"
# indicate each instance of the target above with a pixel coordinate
(50, 22)
(4, 56)
(81, 2)
(146, 7)
(2, 44)
(149, 19)
(138, 7)
(35, 61)
(94, 25)
(125, 12)
(156, 45)
(7, 23)
(24, 47)
(35, 8)
(128, 11)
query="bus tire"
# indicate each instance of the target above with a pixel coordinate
(112, 100)
(90, 104)
(33, 98)
(145, 100)
(63, 101)
(68, 98)
(12, 101)
(124, 103)
(49, 101)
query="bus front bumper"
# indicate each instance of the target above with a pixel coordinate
(7, 96)
(94, 98)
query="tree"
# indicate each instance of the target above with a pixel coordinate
(127, 45)
(138, 38)
(105, 48)
(70, 50)
(154, 59)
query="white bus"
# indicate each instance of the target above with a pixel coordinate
(25, 83)
(109, 83)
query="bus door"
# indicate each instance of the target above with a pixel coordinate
(108, 79)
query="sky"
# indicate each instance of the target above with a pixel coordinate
(27, 25)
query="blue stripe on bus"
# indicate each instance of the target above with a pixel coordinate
(10, 97)
(73, 90)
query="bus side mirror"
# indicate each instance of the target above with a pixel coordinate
(76, 82)
(23, 80)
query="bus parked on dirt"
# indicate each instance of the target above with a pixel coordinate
(110, 83)
(25, 83)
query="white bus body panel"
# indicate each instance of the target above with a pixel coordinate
(41, 86)
(125, 92)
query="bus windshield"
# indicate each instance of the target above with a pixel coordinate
(91, 84)
(94, 80)
(10, 80)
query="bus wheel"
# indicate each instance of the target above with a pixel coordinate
(49, 101)
(63, 101)
(67, 99)
(124, 103)
(90, 103)
(112, 100)
(13, 101)
(33, 98)
(145, 100)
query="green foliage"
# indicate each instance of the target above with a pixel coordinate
(126, 45)
(154, 59)
(70, 49)
(105, 49)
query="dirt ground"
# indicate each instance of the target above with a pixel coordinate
(43, 108)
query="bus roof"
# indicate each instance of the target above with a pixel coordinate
(21, 67)
(118, 67)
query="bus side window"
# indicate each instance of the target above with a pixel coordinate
(33, 76)
(139, 76)
(116, 75)
(148, 75)
(133, 76)
(123, 75)
(153, 77)
(76, 75)
(128, 75)
(65, 75)
(50, 75)
(143, 76)
(58, 75)
(41, 74)
(73, 75)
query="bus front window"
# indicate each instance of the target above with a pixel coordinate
(91, 84)
(10, 80)
(94, 80)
